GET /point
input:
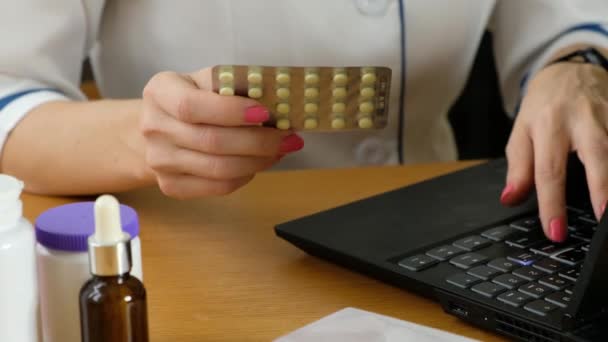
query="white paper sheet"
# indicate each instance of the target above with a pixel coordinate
(355, 325)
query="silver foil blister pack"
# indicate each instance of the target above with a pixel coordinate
(312, 98)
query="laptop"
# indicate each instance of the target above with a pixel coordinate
(451, 240)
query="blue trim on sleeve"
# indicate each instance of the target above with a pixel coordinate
(589, 27)
(402, 80)
(593, 27)
(5, 101)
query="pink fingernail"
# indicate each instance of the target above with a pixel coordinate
(557, 229)
(506, 192)
(291, 143)
(256, 114)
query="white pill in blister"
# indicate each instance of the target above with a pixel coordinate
(283, 93)
(283, 124)
(340, 79)
(226, 77)
(339, 92)
(255, 92)
(366, 107)
(311, 93)
(283, 108)
(254, 77)
(311, 123)
(366, 122)
(367, 92)
(368, 78)
(283, 78)
(338, 107)
(226, 91)
(338, 123)
(311, 108)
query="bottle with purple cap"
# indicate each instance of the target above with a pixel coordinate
(63, 264)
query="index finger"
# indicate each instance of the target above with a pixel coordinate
(180, 97)
(550, 161)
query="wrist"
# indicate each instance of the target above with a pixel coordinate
(132, 138)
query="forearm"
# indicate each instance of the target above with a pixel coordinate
(77, 148)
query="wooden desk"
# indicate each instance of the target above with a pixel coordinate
(215, 271)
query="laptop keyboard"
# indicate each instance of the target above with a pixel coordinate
(538, 277)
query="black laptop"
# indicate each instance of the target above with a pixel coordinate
(450, 239)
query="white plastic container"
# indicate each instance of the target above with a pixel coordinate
(18, 291)
(63, 264)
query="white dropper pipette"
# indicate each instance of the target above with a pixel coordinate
(109, 246)
(108, 229)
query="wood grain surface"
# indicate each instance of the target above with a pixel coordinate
(215, 271)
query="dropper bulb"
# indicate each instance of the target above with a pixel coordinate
(108, 228)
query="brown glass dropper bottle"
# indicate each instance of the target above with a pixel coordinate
(112, 303)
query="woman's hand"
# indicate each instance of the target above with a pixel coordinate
(199, 143)
(565, 109)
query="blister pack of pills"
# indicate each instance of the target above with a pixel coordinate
(312, 98)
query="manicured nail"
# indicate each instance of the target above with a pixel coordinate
(291, 143)
(506, 192)
(256, 114)
(557, 229)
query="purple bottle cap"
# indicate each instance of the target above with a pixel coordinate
(68, 227)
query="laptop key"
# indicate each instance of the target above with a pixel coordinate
(561, 299)
(535, 290)
(502, 264)
(586, 247)
(483, 272)
(549, 248)
(444, 253)
(499, 233)
(468, 260)
(472, 243)
(571, 257)
(525, 240)
(488, 289)
(463, 280)
(528, 224)
(569, 290)
(514, 298)
(418, 262)
(509, 281)
(540, 307)
(555, 282)
(528, 273)
(573, 211)
(524, 258)
(575, 224)
(589, 217)
(584, 236)
(571, 274)
(548, 265)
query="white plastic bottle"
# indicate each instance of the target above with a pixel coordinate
(62, 235)
(18, 290)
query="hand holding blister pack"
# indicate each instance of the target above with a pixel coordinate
(312, 98)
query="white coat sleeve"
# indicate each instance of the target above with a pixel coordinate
(42, 46)
(527, 33)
